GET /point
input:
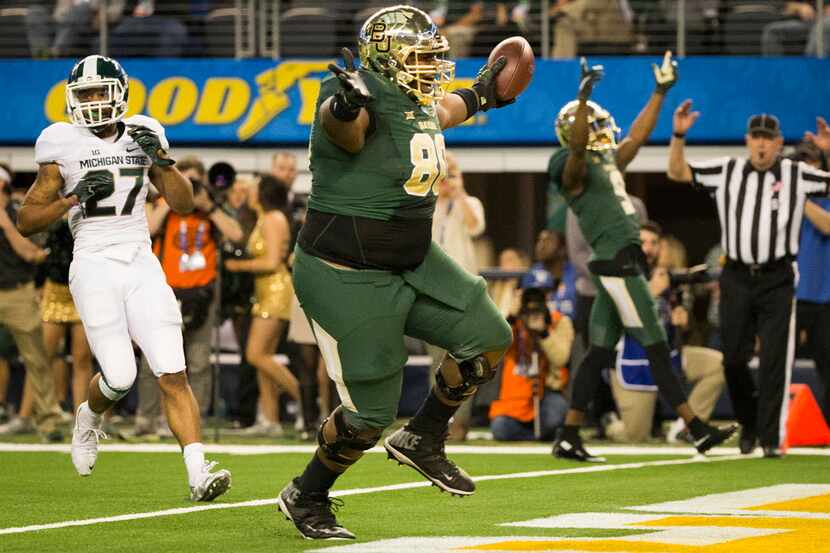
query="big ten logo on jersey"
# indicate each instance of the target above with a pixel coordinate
(783, 518)
(225, 100)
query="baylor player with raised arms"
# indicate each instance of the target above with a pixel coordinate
(587, 171)
(366, 271)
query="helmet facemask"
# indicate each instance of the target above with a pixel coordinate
(102, 74)
(98, 112)
(603, 133)
(402, 44)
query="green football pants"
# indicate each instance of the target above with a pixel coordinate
(624, 304)
(360, 317)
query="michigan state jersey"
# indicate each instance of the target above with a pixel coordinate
(606, 215)
(118, 218)
(397, 172)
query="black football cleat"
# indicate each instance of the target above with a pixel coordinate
(312, 513)
(772, 452)
(425, 453)
(713, 436)
(572, 449)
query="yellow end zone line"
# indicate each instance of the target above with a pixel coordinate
(362, 491)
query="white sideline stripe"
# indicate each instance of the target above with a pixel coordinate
(360, 491)
(454, 449)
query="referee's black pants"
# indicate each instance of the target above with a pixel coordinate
(759, 302)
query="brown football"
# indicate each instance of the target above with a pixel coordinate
(518, 71)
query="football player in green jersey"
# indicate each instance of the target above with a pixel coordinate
(366, 271)
(587, 171)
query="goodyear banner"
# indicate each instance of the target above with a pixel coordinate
(260, 102)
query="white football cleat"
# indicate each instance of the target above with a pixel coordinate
(85, 438)
(213, 484)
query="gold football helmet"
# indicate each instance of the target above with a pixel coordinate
(403, 44)
(603, 133)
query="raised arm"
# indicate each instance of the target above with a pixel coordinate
(665, 77)
(463, 103)
(43, 203)
(344, 116)
(573, 175)
(684, 118)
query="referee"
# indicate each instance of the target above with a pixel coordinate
(760, 203)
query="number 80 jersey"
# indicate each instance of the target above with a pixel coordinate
(119, 218)
(397, 172)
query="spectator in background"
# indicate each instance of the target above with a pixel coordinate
(458, 219)
(796, 33)
(577, 22)
(268, 246)
(506, 292)
(552, 259)
(534, 373)
(813, 292)
(315, 390)
(7, 350)
(60, 318)
(458, 20)
(151, 29)
(658, 20)
(186, 246)
(499, 21)
(77, 24)
(236, 293)
(20, 312)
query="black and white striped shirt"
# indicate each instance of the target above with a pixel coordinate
(760, 212)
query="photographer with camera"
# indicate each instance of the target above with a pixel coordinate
(531, 405)
(632, 384)
(187, 246)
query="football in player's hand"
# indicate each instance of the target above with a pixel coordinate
(518, 71)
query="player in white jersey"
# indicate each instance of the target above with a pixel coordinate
(97, 169)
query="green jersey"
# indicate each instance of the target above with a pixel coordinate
(397, 172)
(606, 215)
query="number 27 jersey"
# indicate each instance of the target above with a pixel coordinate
(119, 218)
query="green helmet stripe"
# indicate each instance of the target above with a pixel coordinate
(107, 68)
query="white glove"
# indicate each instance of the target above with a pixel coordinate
(666, 75)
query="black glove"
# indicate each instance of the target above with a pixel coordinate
(485, 86)
(93, 186)
(589, 76)
(149, 142)
(353, 94)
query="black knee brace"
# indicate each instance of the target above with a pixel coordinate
(349, 442)
(474, 372)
